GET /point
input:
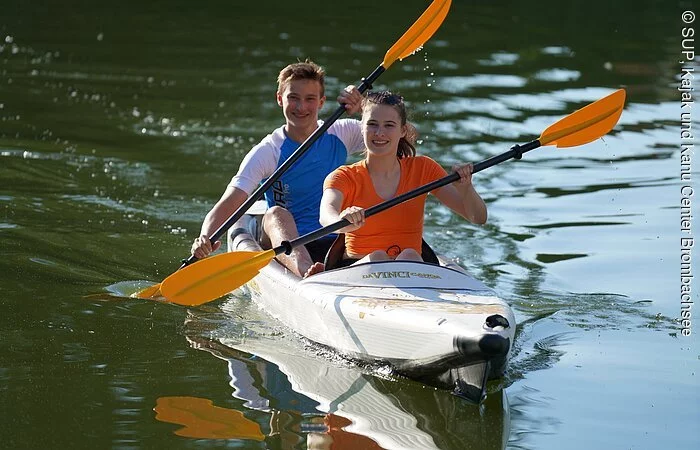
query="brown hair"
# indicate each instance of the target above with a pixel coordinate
(406, 143)
(307, 70)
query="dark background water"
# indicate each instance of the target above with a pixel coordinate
(121, 124)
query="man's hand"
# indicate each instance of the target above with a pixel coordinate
(202, 247)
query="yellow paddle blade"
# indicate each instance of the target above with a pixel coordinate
(149, 292)
(213, 277)
(586, 124)
(203, 420)
(423, 28)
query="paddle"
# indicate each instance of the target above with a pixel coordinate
(213, 277)
(411, 41)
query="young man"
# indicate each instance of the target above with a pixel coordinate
(294, 199)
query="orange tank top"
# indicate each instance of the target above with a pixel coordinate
(392, 230)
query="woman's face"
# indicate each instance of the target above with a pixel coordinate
(382, 129)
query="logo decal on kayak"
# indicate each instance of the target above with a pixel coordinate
(401, 274)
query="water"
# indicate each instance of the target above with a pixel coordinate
(121, 124)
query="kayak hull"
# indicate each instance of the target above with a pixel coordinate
(432, 323)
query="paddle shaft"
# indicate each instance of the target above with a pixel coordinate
(515, 152)
(298, 153)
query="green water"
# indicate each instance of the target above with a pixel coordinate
(121, 124)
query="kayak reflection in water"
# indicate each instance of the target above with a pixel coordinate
(288, 393)
(295, 419)
(202, 420)
(391, 168)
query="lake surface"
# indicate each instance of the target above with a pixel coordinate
(121, 124)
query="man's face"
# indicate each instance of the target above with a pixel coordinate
(301, 101)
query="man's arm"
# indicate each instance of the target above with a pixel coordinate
(259, 163)
(229, 203)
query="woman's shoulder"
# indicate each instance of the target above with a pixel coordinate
(345, 174)
(351, 168)
(423, 168)
(419, 161)
(424, 159)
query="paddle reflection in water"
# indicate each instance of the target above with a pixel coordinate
(203, 420)
(324, 402)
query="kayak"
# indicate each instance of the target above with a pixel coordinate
(433, 323)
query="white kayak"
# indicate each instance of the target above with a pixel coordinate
(432, 323)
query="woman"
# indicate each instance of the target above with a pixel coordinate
(390, 168)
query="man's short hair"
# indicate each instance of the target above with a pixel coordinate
(307, 70)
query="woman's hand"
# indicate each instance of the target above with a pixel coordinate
(465, 174)
(202, 247)
(355, 215)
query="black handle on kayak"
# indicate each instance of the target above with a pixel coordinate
(515, 152)
(298, 153)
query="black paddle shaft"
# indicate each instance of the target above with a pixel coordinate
(298, 153)
(515, 152)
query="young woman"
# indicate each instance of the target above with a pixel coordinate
(391, 168)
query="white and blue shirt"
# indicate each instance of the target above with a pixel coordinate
(300, 188)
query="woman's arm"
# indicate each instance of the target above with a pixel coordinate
(462, 198)
(330, 212)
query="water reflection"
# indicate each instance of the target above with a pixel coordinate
(202, 420)
(120, 124)
(323, 399)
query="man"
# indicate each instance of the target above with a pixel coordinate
(294, 199)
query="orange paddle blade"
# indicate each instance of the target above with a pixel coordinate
(203, 420)
(586, 124)
(213, 277)
(149, 292)
(422, 29)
